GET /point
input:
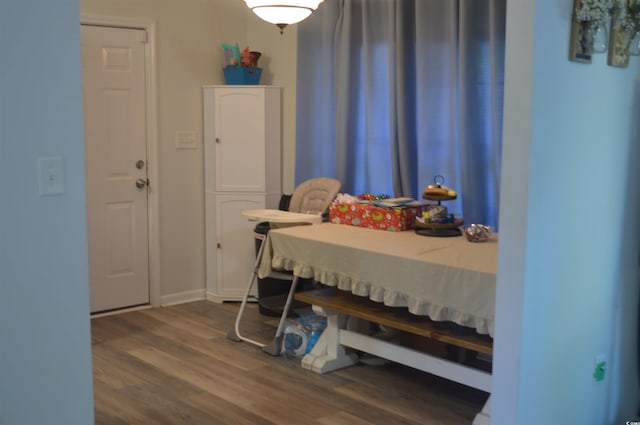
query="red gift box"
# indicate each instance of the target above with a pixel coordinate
(394, 219)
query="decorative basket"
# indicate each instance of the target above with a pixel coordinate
(237, 75)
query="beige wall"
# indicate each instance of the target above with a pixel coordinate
(189, 35)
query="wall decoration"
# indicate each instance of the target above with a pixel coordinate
(589, 33)
(634, 45)
(581, 43)
(619, 45)
(625, 31)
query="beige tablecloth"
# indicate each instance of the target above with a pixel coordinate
(444, 278)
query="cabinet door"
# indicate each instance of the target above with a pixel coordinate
(239, 121)
(235, 244)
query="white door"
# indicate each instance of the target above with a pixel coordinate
(113, 85)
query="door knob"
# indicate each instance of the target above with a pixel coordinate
(141, 183)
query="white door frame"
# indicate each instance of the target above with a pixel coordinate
(151, 140)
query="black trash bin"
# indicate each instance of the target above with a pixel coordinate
(272, 293)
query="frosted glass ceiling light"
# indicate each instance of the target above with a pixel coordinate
(283, 12)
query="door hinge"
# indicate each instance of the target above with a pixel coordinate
(144, 37)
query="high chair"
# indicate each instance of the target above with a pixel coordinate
(308, 203)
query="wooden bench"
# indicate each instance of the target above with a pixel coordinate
(329, 353)
(394, 317)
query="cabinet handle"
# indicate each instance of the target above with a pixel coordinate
(217, 140)
(219, 245)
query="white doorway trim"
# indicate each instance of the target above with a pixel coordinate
(152, 139)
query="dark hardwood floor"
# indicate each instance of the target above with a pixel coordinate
(175, 365)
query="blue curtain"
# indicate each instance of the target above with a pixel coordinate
(392, 93)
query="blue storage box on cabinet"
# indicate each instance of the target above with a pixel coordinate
(237, 75)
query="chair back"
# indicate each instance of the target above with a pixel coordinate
(314, 196)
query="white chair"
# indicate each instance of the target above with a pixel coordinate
(309, 201)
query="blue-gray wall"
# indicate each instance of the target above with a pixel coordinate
(568, 271)
(568, 274)
(45, 351)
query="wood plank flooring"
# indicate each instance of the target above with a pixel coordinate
(175, 365)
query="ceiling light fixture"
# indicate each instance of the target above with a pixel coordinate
(283, 12)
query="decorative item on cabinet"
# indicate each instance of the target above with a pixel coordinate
(589, 32)
(235, 75)
(242, 148)
(625, 34)
(241, 68)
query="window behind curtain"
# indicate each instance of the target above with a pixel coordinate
(392, 93)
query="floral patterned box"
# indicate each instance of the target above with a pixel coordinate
(394, 219)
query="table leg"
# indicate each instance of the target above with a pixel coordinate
(328, 354)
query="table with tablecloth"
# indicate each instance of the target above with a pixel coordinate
(445, 278)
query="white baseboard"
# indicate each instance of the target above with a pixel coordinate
(121, 310)
(182, 297)
(211, 296)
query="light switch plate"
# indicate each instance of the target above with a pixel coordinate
(186, 140)
(51, 176)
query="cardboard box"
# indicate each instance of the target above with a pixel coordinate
(394, 219)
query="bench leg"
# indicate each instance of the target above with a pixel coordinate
(484, 416)
(328, 354)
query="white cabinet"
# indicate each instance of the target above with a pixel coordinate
(242, 161)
